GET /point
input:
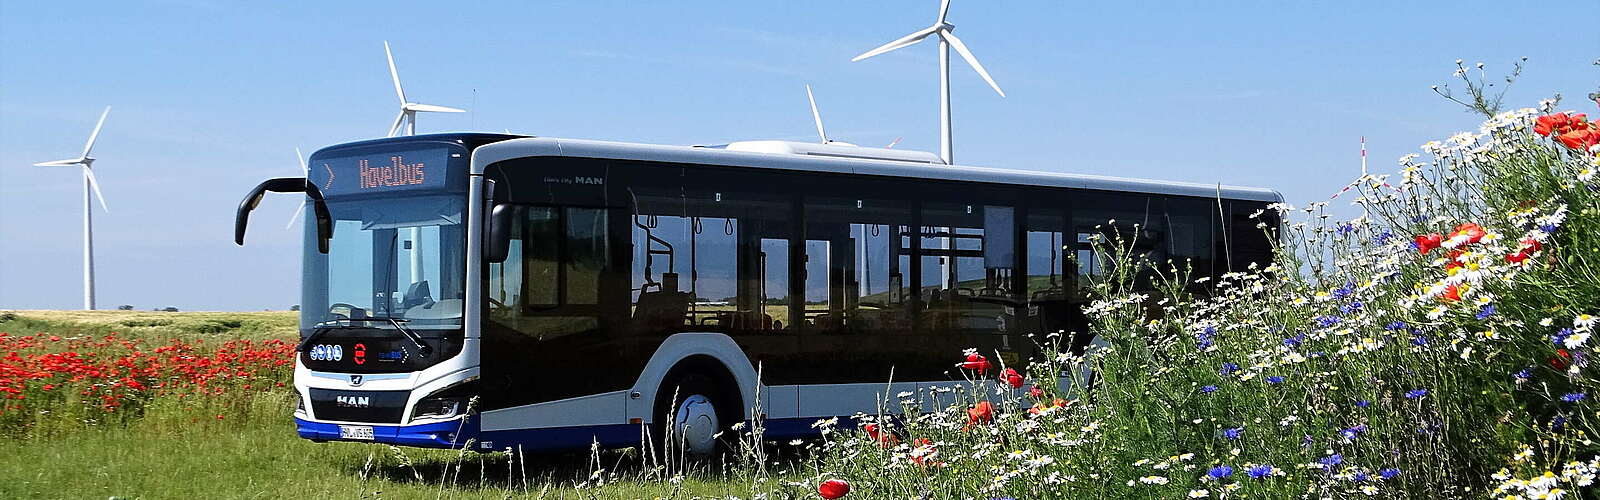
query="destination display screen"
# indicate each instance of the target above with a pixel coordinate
(391, 171)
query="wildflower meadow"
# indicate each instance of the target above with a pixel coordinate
(1439, 344)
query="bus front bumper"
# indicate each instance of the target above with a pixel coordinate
(448, 434)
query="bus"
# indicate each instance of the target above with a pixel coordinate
(501, 291)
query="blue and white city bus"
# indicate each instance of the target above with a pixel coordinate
(580, 291)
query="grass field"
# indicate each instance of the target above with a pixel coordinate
(242, 444)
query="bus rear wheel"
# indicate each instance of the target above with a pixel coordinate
(694, 420)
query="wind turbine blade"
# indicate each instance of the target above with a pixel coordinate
(944, 8)
(394, 73)
(961, 48)
(303, 167)
(296, 216)
(89, 172)
(398, 120)
(92, 135)
(60, 163)
(914, 37)
(433, 108)
(816, 115)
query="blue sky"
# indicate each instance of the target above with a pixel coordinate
(210, 98)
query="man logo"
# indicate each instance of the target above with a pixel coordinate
(353, 401)
(355, 381)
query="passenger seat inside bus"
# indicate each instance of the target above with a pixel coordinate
(664, 309)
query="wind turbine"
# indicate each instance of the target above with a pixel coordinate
(817, 116)
(85, 164)
(947, 39)
(408, 109)
(304, 171)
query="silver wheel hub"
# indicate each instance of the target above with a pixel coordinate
(695, 424)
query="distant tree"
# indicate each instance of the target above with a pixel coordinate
(169, 309)
(124, 307)
(295, 307)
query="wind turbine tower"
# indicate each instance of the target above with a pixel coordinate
(947, 40)
(85, 164)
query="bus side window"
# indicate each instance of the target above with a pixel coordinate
(968, 258)
(854, 263)
(549, 285)
(1189, 241)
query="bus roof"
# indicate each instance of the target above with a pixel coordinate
(488, 154)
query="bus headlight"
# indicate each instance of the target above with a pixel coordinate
(439, 407)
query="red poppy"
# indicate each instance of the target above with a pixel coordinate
(1551, 123)
(1562, 359)
(1454, 258)
(981, 413)
(1473, 232)
(976, 362)
(1035, 392)
(1427, 242)
(833, 488)
(1580, 139)
(1452, 293)
(1040, 407)
(1012, 378)
(1526, 249)
(883, 438)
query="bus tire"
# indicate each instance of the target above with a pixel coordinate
(692, 411)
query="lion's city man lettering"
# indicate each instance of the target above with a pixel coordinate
(396, 173)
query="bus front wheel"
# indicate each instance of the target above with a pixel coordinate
(693, 419)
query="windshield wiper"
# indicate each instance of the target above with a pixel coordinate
(399, 324)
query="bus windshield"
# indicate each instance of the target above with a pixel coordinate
(397, 258)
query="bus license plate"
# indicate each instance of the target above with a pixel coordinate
(355, 432)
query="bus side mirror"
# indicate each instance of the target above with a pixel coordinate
(319, 207)
(497, 244)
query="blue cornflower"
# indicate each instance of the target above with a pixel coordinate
(1220, 471)
(1345, 228)
(1487, 311)
(1382, 237)
(1229, 368)
(1398, 325)
(1275, 380)
(1573, 397)
(1359, 477)
(1560, 338)
(1294, 341)
(1344, 291)
(1351, 307)
(1260, 471)
(1558, 424)
(1524, 374)
(1325, 321)
(1353, 432)
(1416, 393)
(1419, 340)
(1389, 473)
(1331, 460)
(1548, 228)
(1233, 433)
(1210, 330)
(1208, 389)
(1363, 403)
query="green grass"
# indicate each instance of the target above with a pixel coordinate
(180, 449)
